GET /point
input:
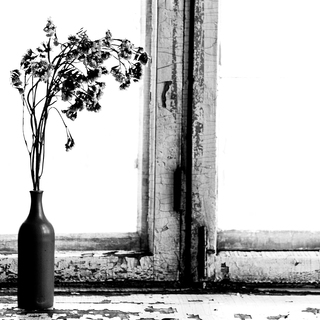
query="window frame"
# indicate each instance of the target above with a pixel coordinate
(158, 250)
(180, 243)
(243, 257)
(129, 241)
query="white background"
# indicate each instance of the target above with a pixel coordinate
(92, 188)
(269, 115)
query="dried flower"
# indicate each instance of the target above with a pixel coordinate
(26, 61)
(71, 113)
(136, 71)
(50, 28)
(93, 74)
(41, 69)
(73, 39)
(70, 143)
(144, 58)
(71, 74)
(15, 78)
(126, 49)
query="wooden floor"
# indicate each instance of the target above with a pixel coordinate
(171, 306)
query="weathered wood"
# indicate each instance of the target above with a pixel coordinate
(204, 187)
(129, 241)
(147, 130)
(90, 266)
(168, 136)
(265, 267)
(264, 240)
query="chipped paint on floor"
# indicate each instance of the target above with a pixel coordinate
(171, 306)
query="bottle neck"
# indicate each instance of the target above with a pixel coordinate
(36, 209)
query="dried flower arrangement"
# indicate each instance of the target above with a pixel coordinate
(71, 72)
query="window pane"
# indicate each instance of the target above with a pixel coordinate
(94, 187)
(269, 115)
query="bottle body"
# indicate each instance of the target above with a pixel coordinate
(36, 246)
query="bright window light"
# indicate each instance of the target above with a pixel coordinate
(93, 187)
(269, 115)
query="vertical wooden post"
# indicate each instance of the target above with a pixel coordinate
(203, 122)
(168, 109)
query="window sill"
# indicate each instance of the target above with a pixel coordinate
(272, 267)
(89, 266)
(129, 241)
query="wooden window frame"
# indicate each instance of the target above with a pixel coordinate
(178, 240)
(243, 257)
(128, 241)
(156, 251)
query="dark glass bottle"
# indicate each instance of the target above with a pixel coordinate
(36, 245)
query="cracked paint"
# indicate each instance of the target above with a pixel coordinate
(242, 316)
(101, 268)
(173, 306)
(258, 267)
(161, 310)
(195, 300)
(205, 60)
(315, 311)
(74, 314)
(194, 316)
(224, 271)
(278, 317)
(166, 88)
(90, 267)
(170, 82)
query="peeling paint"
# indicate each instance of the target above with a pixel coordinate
(166, 88)
(268, 267)
(160, 310)
(194, 316)
(224, 271)
(242, 316)
(278, 317)
(101, 267)
(315, 311)
(173, 306)
(203, 126)
(170, 68)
